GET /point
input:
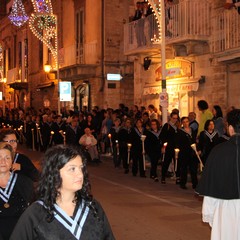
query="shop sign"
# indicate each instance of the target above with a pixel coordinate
(65, 91)
(175, 69)
(184, 87)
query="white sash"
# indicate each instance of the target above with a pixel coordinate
(5, 194)
(15, 158)
(210, 136)
(74, 225)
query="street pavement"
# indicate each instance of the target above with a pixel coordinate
(139, 208)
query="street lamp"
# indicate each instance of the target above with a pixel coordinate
(47, 68)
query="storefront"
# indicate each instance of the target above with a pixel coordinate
(181, 86)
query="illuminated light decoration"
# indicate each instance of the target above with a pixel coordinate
(1, 62)
(18, 15)
(42, 6)
(156, 7)
(44, 27)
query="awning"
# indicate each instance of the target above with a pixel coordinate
(19, 85)
(172, 87)
(45, 85)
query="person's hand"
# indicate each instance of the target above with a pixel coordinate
(16, 167)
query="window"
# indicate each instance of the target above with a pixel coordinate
(80, 36)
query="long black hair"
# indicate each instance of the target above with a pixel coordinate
(50, 182)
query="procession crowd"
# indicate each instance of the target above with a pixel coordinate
(133, 137)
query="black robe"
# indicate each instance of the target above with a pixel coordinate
(221, 175)
(33, 225)
(27, 167)
(19, 200)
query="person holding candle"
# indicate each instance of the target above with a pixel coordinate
(207, 140)
(21, 163)
(16, 192)
(187, 157)
(65, 208)
(153, 147)
(169, 135)
(219, 184)
(115, 142)
(137, 152)
(124, 144)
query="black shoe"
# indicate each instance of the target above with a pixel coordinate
(183, 186)
(156, 179)
(143, 176)
(126, 171)
(134, 174)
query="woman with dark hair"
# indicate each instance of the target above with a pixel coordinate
(21, 163)
(187, 157)
(206, 114)
(207, 140)
(16, 192)
(218, 120)
(137, 153)
(66, 209)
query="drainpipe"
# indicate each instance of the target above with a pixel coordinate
(102, 49)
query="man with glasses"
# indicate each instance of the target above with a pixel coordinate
(21, 163)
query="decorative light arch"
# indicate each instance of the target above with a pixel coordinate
(155, 5)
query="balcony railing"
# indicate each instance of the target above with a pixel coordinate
(189, 20)
(85, 55)
(226, 32)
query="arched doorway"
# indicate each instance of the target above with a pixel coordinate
(82, 96)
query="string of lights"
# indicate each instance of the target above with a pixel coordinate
(156, 7)
(43, 24)
(18, 15)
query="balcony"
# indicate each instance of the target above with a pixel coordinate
(189, 22)
(225, 41)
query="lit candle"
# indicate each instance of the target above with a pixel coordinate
(117, 146)
(33, 140)
(164, 149)
(176, 150)
(199, 159)
(110, 138)
(143, 137)
(129, 145)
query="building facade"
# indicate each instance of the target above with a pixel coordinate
(99, 37)
(90, 46)
(202, 55)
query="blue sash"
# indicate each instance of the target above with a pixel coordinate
(74, 225)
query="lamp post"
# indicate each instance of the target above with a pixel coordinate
(163, 63)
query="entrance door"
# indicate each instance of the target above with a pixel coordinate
(233, 89)
(83, 96)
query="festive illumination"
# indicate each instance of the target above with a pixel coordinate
(18, 15)
(43, 24)
(156, 7)
(42, 6)
(44, 27)
(1, 62)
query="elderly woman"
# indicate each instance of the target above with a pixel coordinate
(65, 208)
(21, 163)
(15, 192)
